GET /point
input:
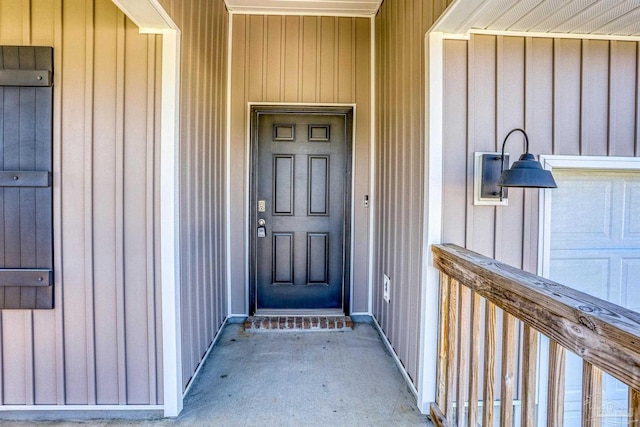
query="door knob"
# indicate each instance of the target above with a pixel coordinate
(262, 230)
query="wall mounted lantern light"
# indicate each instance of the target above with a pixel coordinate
(527, 172)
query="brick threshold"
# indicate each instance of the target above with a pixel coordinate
(298, 323)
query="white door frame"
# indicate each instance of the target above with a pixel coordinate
(151, 18)
(574, 163)
(551, 162)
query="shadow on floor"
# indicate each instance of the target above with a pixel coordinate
(293, 379)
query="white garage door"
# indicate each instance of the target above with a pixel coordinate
(595, 247)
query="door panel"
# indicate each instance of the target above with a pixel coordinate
(301, 177)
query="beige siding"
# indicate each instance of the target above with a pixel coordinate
(204, 28)
(100, 345)
(295, 59)
(573, 97)
(400, 129)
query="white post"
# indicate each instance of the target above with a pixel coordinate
(170, 223)
(432, 225)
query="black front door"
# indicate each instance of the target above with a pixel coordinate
(301, 174)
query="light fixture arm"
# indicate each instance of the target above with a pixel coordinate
(526, 148)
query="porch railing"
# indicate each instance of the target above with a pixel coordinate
(605, 336)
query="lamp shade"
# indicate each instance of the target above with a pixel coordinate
(527, 172)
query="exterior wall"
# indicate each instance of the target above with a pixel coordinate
(101, 343)
(400, 168)
(573, 97)
(203, 104)
(294, 59)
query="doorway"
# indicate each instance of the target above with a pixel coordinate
(300, 210)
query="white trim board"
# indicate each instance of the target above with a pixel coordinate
(153, 19)
(432, 222)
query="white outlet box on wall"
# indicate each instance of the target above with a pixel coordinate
(387, 289)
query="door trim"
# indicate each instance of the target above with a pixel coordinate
(348, 111)
(572, 163)
(551, 162)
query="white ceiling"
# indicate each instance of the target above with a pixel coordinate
(593, 17)
(305, 7)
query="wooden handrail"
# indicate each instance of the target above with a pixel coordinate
(601, 333)
(604, 335)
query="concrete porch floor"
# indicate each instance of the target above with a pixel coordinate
(291, 379)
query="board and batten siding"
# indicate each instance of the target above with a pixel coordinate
(400, 169)
(573, 96)
(295, 59)
(203, 135)
(101, 344)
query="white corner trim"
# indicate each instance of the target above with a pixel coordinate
(151, 18)
(228, 165)
(432, 222)
(372, 165)
(170, 223)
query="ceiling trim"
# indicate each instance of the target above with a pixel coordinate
(148, 15)
(340, 8)
(554, 35)
(297, 12)
(593, 19)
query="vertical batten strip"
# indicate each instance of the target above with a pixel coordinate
(26, 22)
(507, 380)
(555, 400)
(265, 56)
(336, 56)
(283, 56)
(634, 408)
(197, 189)
(452, 320)
(210, 103)
(463, 353)
(57, 210)
(29, 359)
(318, 78)
(119, 210)
(354, 80)
(88, 204)
(637, 102)
(150, 217)
(443, 343)
(489, 363)
(474, 358)
(592, 392)
(300, 58)
(186, 201)
(529, 376)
